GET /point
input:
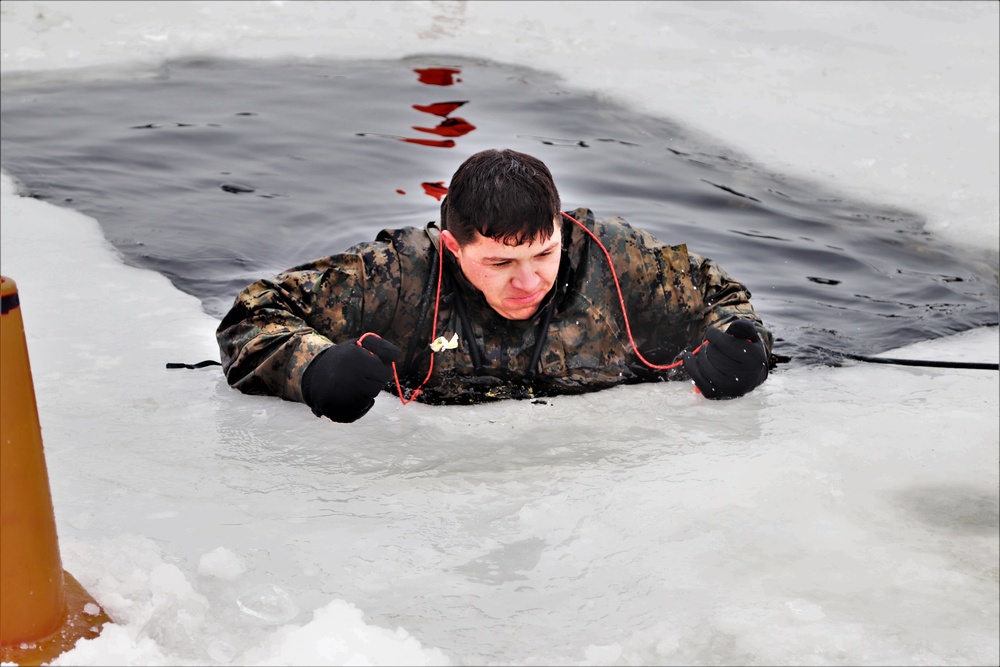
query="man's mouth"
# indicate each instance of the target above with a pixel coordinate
(527, 300)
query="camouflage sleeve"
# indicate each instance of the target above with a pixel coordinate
(277, 326)
(725, 298)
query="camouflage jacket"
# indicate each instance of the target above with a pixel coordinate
(278, 325)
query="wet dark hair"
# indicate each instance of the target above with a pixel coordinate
(504, 195)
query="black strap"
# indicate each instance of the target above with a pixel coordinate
(200, 364)
(9, 302)
(920, 362)
(468, 334)
(541, 336)
(425, 303)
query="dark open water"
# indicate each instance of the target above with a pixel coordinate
(215, 173)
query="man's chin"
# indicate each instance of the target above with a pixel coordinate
(523, 313)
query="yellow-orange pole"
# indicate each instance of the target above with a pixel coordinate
(43, 609)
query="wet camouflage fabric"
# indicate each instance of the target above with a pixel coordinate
(277, 326)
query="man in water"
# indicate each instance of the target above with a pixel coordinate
(507, 298)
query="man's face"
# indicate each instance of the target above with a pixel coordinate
(514, 279)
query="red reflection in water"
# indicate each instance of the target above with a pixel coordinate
(439, 108)
(436, 190)
(438, 76)
(436, 143)
(449, 127)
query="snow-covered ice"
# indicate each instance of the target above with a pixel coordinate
(834, 516)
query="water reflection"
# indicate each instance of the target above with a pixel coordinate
(449, 126)
(439, 76)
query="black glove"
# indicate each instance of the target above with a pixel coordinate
(342, 381)
(731, 364)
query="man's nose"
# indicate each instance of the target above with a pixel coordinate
(525, 278)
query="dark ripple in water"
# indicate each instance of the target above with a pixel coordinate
(215, 173)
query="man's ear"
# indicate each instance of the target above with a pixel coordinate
(450, 242)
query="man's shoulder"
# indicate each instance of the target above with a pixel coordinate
(394, 241)
(410, 249)
(587, 218)
(410, 236)
(631, 248)
(613, 227)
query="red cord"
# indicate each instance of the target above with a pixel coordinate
(621, 300)
(430, 369)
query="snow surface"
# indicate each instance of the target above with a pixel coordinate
(833, 516)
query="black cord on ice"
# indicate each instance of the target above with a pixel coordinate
(921, 362)
(200, 364)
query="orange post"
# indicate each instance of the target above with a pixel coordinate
(43, 609)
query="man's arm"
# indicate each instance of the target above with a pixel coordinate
(735, 354)
(277, 326)
(726, 300)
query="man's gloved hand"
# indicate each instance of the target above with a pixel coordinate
(342, 381)
(732, 364)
